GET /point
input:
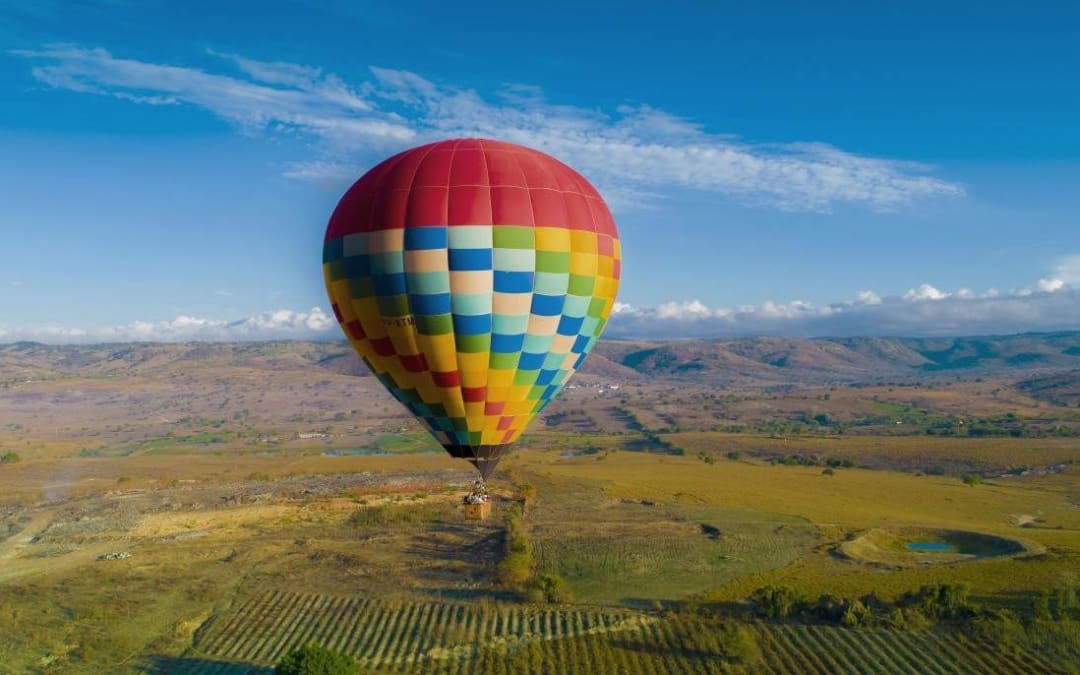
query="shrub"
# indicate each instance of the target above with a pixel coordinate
(828, 608)
(553, 588)
(940, 601)
(774, 602)
(9, 458)
(971, 479)
(908, 618)
(315, 660)
(855, 614)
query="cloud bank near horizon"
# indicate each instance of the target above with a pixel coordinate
(282, 324)
(923, 311)
(633, 153)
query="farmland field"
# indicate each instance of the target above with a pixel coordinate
(394, 637)
(161, 512)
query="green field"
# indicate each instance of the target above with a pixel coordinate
(410, 637)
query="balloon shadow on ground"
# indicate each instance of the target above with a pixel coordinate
(180, 665)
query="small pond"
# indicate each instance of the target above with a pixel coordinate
(941, 546)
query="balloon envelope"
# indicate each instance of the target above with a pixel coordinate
(473, 277)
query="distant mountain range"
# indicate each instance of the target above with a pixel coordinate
(1051, 361)
(779, 360)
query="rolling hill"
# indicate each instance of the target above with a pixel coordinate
(1048, 362)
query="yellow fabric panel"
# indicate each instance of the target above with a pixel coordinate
(552, 239)
(583, 263)
(583, 241)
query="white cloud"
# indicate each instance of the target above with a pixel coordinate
(281, 324)
(633, 153)
(1066, 275)
(868, 314)
(279, 97)
(693, 309)
(925, 292)
(923, 310)
(1050, 285)
(867, 298)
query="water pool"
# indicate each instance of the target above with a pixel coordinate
(929, 546)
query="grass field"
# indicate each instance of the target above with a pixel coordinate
(841, 507)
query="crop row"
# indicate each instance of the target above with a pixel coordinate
(459, 639)
(828, 649)
(385, 632)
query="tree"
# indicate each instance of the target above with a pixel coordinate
(315, 660)
(775, 602)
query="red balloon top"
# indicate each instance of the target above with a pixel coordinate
(470, 181)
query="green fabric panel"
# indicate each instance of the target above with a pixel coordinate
(553, 261)
(361, 287)
(471, 344)
(581, 284)
(440, 324)
(500, 361)
(525, 377)
(393, 305)
(513, 236)
(596, 307)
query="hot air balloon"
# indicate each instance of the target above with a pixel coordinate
(473, 277)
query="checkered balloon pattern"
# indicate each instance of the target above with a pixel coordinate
(473, 277)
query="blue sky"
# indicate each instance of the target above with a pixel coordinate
(167, 169)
